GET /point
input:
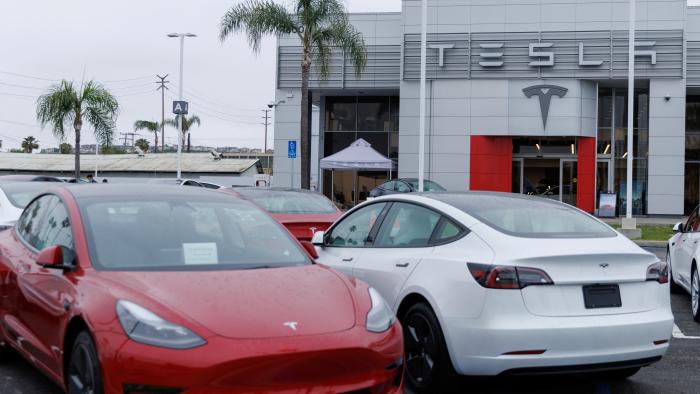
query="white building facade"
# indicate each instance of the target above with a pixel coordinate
(525, 97)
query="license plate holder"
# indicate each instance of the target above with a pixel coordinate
(602, 296)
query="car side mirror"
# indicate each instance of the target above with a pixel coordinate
(56, 257)
(318, 238)
(310, 249)
(678, 227)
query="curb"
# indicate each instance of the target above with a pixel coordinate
(650, 244)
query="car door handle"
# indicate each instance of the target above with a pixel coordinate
(402, 265)
(349, 259)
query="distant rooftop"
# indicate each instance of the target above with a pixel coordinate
(160, 163)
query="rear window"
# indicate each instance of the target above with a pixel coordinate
(20, 194)
(428, 186)
(532, 217)
(282, 202)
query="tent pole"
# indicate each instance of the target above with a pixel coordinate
(357, 174)
(332, 186)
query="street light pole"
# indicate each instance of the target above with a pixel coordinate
(180, 93)
(421, 118)
(630, 113)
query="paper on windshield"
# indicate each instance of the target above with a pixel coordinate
(200, 253)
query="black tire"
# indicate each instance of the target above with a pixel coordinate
(83, 370)
(675, 287)
(428, 365)
(620, 374)
(695, 293)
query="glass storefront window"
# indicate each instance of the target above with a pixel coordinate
(341, 114)
(692, 153)
(373, 114)
(541, 146)
(394, 113)
(604, 141)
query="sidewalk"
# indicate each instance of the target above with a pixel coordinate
(649, 221)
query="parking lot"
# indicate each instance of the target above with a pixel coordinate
(671, 375)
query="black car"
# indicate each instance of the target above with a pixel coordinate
(404, 185)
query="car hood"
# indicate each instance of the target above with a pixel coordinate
(261, 303)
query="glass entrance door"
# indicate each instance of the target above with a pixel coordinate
(602, 178)
(568, 176)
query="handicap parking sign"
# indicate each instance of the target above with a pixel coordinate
(292, 149)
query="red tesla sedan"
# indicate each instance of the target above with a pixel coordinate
(158, 289)
(303, 212)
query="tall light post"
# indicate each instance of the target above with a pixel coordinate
(180, 89)
(421, 117)
(630, 223)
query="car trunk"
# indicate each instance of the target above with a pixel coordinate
(303, 227)
(594, 267)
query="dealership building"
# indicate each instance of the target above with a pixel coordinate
(526, 96)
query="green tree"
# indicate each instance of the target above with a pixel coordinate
(64, 106)
(29, 144)
(65, 148)
(153, 127)
(143, 144)
(320, 25)
(187, 124)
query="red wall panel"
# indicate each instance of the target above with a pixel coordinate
(491, 163)
(585, 198)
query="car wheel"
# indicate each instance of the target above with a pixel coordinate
(620, 374)
(675, 287)
(428, 365)
(84, 374)
(695, 294)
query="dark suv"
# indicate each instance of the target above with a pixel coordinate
(404, 185)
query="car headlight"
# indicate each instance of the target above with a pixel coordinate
(380, 316)
(144, 326)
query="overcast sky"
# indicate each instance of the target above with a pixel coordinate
(123, 45)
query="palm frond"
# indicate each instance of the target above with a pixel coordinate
(56, 108)
(99, 109)
(146, 125)
(342, 34)
(257, 18)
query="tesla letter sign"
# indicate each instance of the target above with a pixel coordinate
(545, 93)
(180, 107)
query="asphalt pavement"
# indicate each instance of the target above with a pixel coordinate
(675, 373)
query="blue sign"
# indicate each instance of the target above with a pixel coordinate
(292, 149)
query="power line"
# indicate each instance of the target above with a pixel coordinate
(163, 87)
(28, 76)
(212, 102)
(14, 85)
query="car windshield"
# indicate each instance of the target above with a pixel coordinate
(281, 202)
(533, 217)
(20, 194)
(428, 186)
(182, 234)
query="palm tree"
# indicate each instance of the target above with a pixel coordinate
(142, 144)
(153, 127)
(64, 106)
(321, 25)
(186, 125)
(29, 144)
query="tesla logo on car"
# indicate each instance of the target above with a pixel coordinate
(545, 93)
(604, 265)
(313, 230)
(291, 324)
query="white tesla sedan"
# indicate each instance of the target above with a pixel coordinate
(682, 256)
(493, 283)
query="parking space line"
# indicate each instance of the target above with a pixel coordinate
(678, 334)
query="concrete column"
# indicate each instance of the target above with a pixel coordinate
(666, 147)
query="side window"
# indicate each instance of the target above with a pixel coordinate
(402, 187)
(354, 229)
(55, 228)
(407, 225)
(29, 224)
(446, 231)
(390, 186)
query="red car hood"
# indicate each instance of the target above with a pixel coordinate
(262, 303)
(303, 226)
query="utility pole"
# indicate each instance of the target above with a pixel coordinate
(266, 124)
(128, 137)
(162, 89)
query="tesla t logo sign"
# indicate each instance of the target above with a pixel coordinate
(313, 230)
(545, 93)
(291, 324)
(604, 265)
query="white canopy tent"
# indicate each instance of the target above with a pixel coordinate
(359, 156)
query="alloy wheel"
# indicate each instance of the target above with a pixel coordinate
(81, 372)
(421, 349)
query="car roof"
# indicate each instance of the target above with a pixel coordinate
(469, 201)
(273, 189)
(90, 191)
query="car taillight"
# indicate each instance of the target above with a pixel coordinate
(508, 277)
(658, 272)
